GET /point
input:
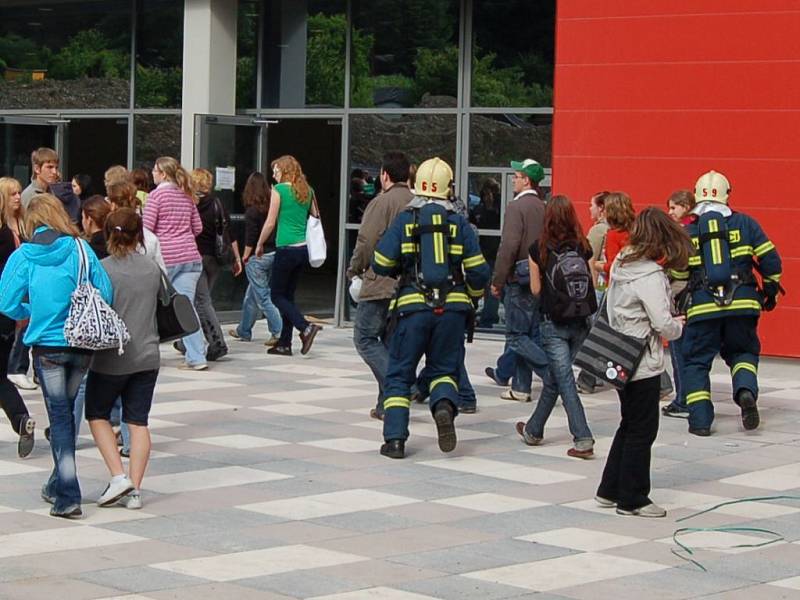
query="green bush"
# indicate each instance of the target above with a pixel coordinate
(158, 88)
(88, 54)
(21, 53)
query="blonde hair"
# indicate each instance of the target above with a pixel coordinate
(115, 174)
(47, 210)
(175, 173)
(8, 186)
(292, 172)
(619, 211)
(202, 179)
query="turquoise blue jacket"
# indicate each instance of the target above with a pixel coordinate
(38, 282)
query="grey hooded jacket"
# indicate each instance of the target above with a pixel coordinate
(639, 302)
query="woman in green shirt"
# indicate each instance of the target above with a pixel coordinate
(290, 202)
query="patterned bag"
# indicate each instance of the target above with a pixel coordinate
(610, 355)
(91, 323)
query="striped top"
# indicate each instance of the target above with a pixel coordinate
(173, 217)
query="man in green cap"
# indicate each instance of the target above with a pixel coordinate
(522, 226)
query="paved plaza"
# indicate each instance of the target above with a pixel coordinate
(266, 483)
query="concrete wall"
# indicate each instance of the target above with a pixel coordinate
(649, 95)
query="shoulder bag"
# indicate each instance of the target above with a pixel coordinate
(315, 237)
(608, 354)
(91, 323)
(175, 315)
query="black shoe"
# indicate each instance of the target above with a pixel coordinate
(747, 402)
(469, 409)
(71, 512)
(179, 347)
(280, 350)
(490, 373)
(445, 427)
(701, 431)
(416, 396)
(394, 449)
(673, 410)
(307, 337)
(25, 445)
(124, 453)
(47, 433)
(215, 355)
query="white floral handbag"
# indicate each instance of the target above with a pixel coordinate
(91, 323)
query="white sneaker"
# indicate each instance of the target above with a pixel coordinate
(510, 394)
(115, 490)
(604, 502)
(651, 510)
(132, 501)
(22, 381)
(193, 367)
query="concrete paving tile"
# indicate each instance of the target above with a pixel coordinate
(47, 589)
(138, 579)
(485, 555)
(216, 591)
(303, 584)
(257, 563)
(415, 539)
(456, 587)
(382, 573)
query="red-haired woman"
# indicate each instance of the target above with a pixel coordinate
(562, 333)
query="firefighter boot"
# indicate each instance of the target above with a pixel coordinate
(747, 402)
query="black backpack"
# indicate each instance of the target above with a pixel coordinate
(568, 289)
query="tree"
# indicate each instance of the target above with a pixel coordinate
(88, 54)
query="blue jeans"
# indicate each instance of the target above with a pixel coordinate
(510, 366)
(184, 278)
(258, 297)
(369, 331)
(561, 343)
(60, 375)
(522, 332)
(116, 419)
(289, 264)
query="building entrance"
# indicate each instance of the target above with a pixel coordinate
(84, 145)
(235, 147)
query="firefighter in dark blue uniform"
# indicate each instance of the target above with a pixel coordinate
(441, 270)
(726, 301)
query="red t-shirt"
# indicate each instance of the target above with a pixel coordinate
(616, 239)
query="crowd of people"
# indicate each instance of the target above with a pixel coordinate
(682, 278)
(145, 235)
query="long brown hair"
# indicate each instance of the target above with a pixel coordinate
(292, 172)
(256, 192)
(655, 236)
(561, 225)
(47, 210)
(619, 211)
(175, 173)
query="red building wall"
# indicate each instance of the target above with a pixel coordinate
(651, 94)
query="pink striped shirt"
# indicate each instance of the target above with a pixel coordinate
(173, 217)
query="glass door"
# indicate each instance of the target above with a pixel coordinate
(231, 148)
(19, 136)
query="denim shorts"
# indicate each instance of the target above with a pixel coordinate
(136, 390)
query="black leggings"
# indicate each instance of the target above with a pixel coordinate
(11, 401)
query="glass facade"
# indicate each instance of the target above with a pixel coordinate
(337, 83)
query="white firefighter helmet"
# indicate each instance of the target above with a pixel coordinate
(712, 187)
(434, 178)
